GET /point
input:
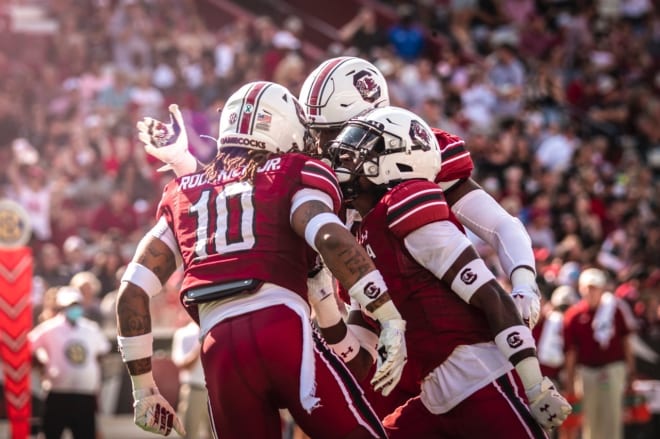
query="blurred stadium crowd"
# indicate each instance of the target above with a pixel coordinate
(558, 101)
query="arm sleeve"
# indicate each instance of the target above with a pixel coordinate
(163, 232)
(505, 233)
(428, 245)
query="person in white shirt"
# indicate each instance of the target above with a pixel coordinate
(193, 396)
(67, 348)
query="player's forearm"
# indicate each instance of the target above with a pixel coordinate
(326, 234)
(345, 258)
(151, 266)
(473, 282)
(513, 338)
(134, 320)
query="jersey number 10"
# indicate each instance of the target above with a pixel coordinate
(234, 220)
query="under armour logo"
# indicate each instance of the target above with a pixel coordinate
(546, 408)
(347, 352)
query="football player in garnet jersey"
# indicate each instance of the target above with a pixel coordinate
(243, 228)
(339, 89)
(464, 335)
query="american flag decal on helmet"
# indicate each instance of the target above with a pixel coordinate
(246, 115)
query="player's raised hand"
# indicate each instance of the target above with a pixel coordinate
(168, 142)
(392, 355)
(153, 413)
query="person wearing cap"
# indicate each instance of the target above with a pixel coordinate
(599, 358)
(67, 348)
(89, 286)
(75, 257)
(549, 337)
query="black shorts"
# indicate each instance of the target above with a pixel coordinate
(73, 411)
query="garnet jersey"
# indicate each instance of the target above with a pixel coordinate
(456, 160)
(438, 320)
(231, 230)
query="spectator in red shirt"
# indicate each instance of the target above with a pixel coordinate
(599, 355)
(115, 215)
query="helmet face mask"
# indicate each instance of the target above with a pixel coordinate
(264, 116)
(384, 146)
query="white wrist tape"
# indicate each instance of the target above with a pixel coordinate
(470, 278)
(141, 276)
(183, 164)
(143, 385)
(514, 339)
(327, 312)
(368, 288)
(523, 276)
(315, 224)
(347, 348)
(386, 312)
(367, 338)
(137, 347)
(529, 371)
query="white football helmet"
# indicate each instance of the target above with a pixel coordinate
(385, 145)
(264, 116)
(341, 88)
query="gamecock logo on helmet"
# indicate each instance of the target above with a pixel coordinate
(366, 85)
(420, 135)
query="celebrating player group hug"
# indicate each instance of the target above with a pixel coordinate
(339, 206)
